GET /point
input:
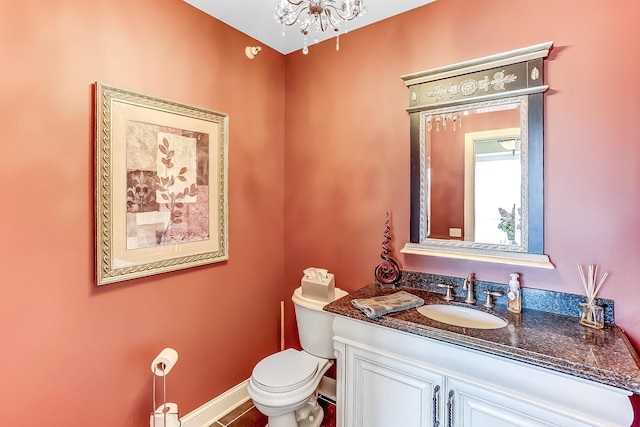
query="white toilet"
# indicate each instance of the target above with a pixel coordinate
(283, 386)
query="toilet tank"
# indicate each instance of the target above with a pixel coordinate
(315, 326)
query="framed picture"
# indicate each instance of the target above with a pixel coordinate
(161, 185)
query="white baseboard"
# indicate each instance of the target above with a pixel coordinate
(327, 388)
(216, 408)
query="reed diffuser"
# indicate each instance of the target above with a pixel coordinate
(591, 315)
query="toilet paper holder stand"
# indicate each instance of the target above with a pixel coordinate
(168, 416)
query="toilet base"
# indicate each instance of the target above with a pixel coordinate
(284, 420)
(310, 415)
(313, 419)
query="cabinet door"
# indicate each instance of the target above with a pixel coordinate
(385, 391)
(472, 405)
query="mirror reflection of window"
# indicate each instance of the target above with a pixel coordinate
(493, 186)
(497, 190)
(455, 210)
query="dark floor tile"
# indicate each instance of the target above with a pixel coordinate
(329, 409)
(227, 419)
(251, 418)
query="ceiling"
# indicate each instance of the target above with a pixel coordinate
(256, 19)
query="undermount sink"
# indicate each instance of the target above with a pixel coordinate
(466, 317)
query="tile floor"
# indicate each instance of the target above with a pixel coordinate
(246, 415)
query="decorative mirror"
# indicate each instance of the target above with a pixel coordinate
(477, 159)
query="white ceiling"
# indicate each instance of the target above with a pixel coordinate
(256, 19)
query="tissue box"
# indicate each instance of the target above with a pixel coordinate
(321, 291)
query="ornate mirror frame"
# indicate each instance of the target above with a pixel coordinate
(510, 77)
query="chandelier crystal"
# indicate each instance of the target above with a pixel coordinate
(441, 121)
(318, 15)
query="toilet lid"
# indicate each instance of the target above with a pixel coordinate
(285, 371)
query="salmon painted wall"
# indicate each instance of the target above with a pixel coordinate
(73, 354)
(347, 141)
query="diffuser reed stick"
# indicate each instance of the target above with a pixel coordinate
(592, 315)
(589, 283)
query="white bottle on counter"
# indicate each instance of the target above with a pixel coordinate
(514, 297)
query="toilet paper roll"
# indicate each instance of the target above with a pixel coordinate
(167, 412)
(163, 363)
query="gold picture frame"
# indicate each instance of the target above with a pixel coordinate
(161, 185)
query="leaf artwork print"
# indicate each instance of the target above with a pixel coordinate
(167, 186)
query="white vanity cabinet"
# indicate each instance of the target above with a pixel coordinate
(390, 378)
(386, 390)
(470, 404)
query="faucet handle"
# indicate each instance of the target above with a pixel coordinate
(448, 296)
(489, 303)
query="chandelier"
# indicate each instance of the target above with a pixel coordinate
(319, 15)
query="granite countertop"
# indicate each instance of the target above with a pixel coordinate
(553, 341)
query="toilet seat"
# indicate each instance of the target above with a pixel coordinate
(285, 371)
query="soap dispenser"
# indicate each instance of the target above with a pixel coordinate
(514, 297)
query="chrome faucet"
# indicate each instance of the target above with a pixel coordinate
(467, 285)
